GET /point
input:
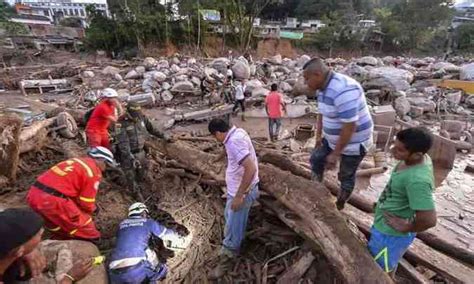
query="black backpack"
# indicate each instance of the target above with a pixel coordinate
(88, 115)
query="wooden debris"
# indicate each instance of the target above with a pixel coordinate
(415, 276)
(297, 270)
(10, 129)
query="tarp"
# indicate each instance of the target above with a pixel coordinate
(210, 15)
(291, 35)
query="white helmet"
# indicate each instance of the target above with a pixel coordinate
(103, 153)
(137, 208)
(109, 93)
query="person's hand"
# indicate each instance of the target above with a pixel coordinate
(237, 202)
(80, 269)
(399, 224)
(319, 143)
(36, 262)
(331, 160)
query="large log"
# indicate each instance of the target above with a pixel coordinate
(329, 230)
(34, 143)
(367, 205)
(326, 228)
(297, 270)
(32, 130)
(10, 129)
(419, 252)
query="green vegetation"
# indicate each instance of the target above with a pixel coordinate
(10, 28)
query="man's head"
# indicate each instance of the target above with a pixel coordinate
(315, 73)
(138, 209)
(412, 144)
(134, 109)
(109, 94)
(21, 230)
(274, 87)
(103, 157)
(218, 128)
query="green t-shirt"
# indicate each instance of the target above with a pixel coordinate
(407, 191)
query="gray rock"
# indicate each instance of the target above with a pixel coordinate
(448, 67)
(166, 86)
(470, 101)
(175, 60)
(300, 88)
(192, 61)
(163, 64)
(166, 96)
(185, 86)
(253, 84)
(110, 70)
(389, 78)
(241, 70)
(175, 68)
(159, 76)
(133, 74)
(454, 98)
(402, 106)
(302, 60)
(467, 72)
(140, 70)
(196, 81)
(356, 71)
(372, 94)
(88, 74)
(427, 104)
(149, 63)
(220, 64)
(277, 60)
(181, 78)
(118, 77)
(285, 87)
(149, 85)
(368, 60)
(259, 92)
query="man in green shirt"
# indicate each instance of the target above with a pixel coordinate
(406, 205)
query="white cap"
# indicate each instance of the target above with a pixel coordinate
(109, 93)
(103, 153)
(137, 208)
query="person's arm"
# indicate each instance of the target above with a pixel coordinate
(249, 173)
(266, 105)
(319, 130)
(345, 136)
(86, 199)
(420, 199)
(152, 129)
(78, 272)
(282, 103)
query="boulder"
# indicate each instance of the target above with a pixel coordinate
(253, 84)
(133, 74)
(175, 60)
(253, 70)
(416, 111)
(118, 77)
(277, 60)
(427, 104)
(302, 60)
(402, 106)
(149, 63)
(391, 72)
(149, 84)
(470, 101)
(300, 88)
(388, 60)
(196, 81)
(110, 70)
(166, 96)
(88, 74)
(192, 61)
(140, 70)
(184, 86)
(285, 87)
(260, 92)
(175, 68)
(467, 72)
(368, 60)
(355, 71)
(163, 64)
(220, 64)
(166, 86)
(159, 76)
(241, 70)
(283, 70)
(454, 98)
(446, 66)
(389, 78)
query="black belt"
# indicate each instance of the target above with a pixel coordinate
(49, 190)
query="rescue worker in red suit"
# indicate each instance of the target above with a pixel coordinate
(65, 195)
(106, 112)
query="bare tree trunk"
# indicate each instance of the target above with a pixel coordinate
(199, 27)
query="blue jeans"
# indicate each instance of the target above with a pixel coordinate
(387, 250)
(140, 273)
(347, 167)
(274, 125)
(236, 221)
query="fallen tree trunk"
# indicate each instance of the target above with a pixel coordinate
(419, 252)
(32, 130)
(367, 205)
(34, 143)
(415, 276)
(326, 229)
(10, 129)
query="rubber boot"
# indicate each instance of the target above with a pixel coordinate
(342, 198)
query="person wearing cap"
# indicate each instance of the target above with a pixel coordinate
(21, 230)
(106, 112)
(131, 131)
(65, 195)
(132, 260)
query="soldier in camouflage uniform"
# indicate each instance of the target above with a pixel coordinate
(131, 131)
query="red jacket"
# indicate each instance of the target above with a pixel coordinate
(99, 122)
(77, 178)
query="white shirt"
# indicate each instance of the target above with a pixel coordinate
(239, 92)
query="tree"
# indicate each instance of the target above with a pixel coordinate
(464, 37)
(72, 22)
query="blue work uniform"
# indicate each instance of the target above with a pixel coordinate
(132, 261)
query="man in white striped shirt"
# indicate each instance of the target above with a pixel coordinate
(344, 125)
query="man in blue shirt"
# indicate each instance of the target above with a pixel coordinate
(132, 260)
(344, 125)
